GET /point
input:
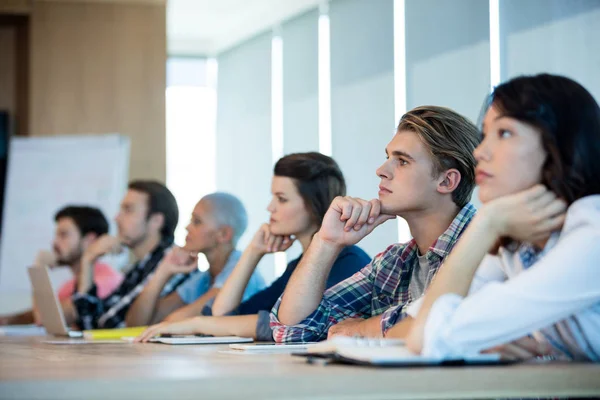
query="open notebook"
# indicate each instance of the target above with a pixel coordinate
(199, 339)
(267, 348)
(384, 353)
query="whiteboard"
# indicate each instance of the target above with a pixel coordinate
(43, 175)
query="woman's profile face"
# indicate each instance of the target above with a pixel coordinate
(509, 158)
(289, 215)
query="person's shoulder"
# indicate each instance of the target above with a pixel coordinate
(353, 251)
(234, 257)
(196, 277)
(583, 215)
(351, 257)
(66, 289)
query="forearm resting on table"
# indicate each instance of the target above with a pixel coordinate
(193, 309)
(401, 329)
(234, 325)
(372, 327)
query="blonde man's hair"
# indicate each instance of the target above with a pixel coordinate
(451, 139)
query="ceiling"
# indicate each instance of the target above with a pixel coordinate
(208, 27)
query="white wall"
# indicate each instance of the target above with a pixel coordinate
(362, 99)
(555, 36)
(244, 165)
(300, 84)
(448, 56)
(300, 90)
(447, 63)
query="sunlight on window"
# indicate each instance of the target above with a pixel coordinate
(324, 79)
(494, 43)
(400, 105)
(277, 120)
(191, 146)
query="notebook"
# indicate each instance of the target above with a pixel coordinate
(265, 348)
(325, 347)
(192, 339)
(71, 341)
(384, 353)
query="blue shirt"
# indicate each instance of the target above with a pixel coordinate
(199, 284)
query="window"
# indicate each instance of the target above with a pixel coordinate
(191, 102)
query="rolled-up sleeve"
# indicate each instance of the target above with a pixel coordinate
(533, 299)
(350, 298)
(392, 316)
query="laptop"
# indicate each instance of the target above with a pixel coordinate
(48, 305)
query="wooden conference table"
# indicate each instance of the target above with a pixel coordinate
(31, 369)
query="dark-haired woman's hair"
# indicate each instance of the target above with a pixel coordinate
(318, 179)
(568, 119)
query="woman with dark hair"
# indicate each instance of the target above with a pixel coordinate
(523, 280)
(303, 186)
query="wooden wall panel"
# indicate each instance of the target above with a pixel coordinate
(15, 7)
(100, 68)
(7, 68)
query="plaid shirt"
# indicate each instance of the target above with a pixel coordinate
(93, 312)
(379, 288)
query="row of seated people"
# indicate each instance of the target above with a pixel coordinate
(517, 276)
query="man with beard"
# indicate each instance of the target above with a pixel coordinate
(146, 223)
(77, 228)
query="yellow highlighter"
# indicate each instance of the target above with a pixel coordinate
(117, 333)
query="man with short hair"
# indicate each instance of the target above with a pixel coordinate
(428, 178)
(146, 222)
(77, 228)
(217, 223)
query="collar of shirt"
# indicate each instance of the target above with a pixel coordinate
(157, 254)
(445, 241)
(205, 280)
(529, 254)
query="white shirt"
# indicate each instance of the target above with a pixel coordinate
(555, 297)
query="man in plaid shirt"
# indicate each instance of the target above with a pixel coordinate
(428, 178)
(146, 223)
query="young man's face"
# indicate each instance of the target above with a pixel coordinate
(68, 243)
(407, 182)
(132, 219)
